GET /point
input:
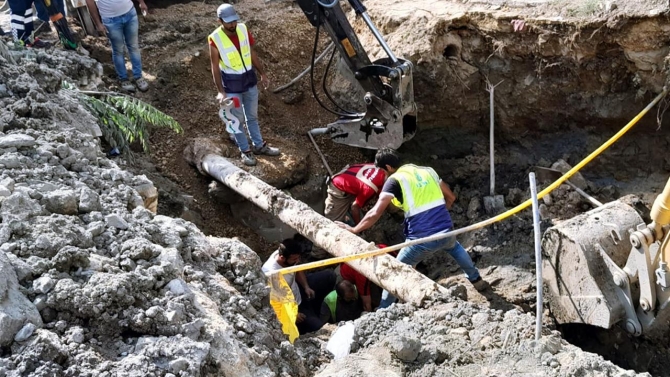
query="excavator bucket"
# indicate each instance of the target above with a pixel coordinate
(582, 262)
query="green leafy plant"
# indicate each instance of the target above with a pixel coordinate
(123, 119)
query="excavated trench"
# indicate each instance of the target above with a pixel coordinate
(563, 89)
(565, 86)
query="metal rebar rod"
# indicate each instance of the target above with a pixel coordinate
(538, 256)
(318, 150)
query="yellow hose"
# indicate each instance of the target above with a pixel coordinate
(484, 223)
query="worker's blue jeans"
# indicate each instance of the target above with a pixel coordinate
(122, 31)
(249, 101)
(412, 255)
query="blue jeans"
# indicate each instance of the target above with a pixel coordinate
(412, 255)
(122, 32)
(249, 101)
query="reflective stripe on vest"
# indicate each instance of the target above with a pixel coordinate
(360, 175)
(231, 60)
(331, 301)
(420, 189)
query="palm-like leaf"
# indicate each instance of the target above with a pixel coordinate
(123, 119)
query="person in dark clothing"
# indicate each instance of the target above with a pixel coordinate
(342, 304)
(21, 21)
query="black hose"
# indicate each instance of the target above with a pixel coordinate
(311, 71)
(325, 88)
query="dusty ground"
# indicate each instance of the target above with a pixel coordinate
(176, 59)
(455, 121)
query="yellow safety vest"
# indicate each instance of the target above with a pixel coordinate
(420, 189)
(231, 60)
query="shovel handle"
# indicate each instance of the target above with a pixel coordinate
(581, 192)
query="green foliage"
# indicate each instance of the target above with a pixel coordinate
(123, 119)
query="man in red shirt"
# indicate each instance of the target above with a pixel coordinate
(362, 283)
(351, 189)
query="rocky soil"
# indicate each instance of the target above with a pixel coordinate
(94, 283)
(98, 283)
(458, 338)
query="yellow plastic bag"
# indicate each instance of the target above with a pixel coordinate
(284, 305)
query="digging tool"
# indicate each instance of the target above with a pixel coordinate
(59, 21)
(494, 203)
(547, 174)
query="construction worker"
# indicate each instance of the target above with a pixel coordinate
(425, 199)
(43, 13)
(351, 189)
(234, 63)
(118, 19)
(342, 304)
(21, 22)
(363, 284)
(309, 290)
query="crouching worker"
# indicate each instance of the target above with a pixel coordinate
(309, 290)
(342, 304)
(351, 189)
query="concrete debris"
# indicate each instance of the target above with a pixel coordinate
(457, 338)
(92, 282)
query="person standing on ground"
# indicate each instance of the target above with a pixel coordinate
(351, 189)
(21, 21)
(425, 200)
(43, 13)
(118, 19)
(309, 290)
(234, 63)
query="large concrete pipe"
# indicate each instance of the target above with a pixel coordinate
(402, 280)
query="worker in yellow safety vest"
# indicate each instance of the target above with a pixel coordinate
(425, 199)
(234, 64)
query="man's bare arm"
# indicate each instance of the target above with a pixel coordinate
(216, 72)
(375, 213)
(449, 195)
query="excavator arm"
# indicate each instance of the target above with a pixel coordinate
(390, 116)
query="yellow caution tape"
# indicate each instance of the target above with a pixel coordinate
(479, 225)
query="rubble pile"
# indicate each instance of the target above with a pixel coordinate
(458, 338)
(92, 281)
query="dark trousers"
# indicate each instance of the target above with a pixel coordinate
(21, 19)
(43, 13)
(322, 282)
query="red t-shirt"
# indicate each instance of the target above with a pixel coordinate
(236, 40)
(362, 283)
(352, 185)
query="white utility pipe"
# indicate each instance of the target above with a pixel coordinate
(538, 256)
